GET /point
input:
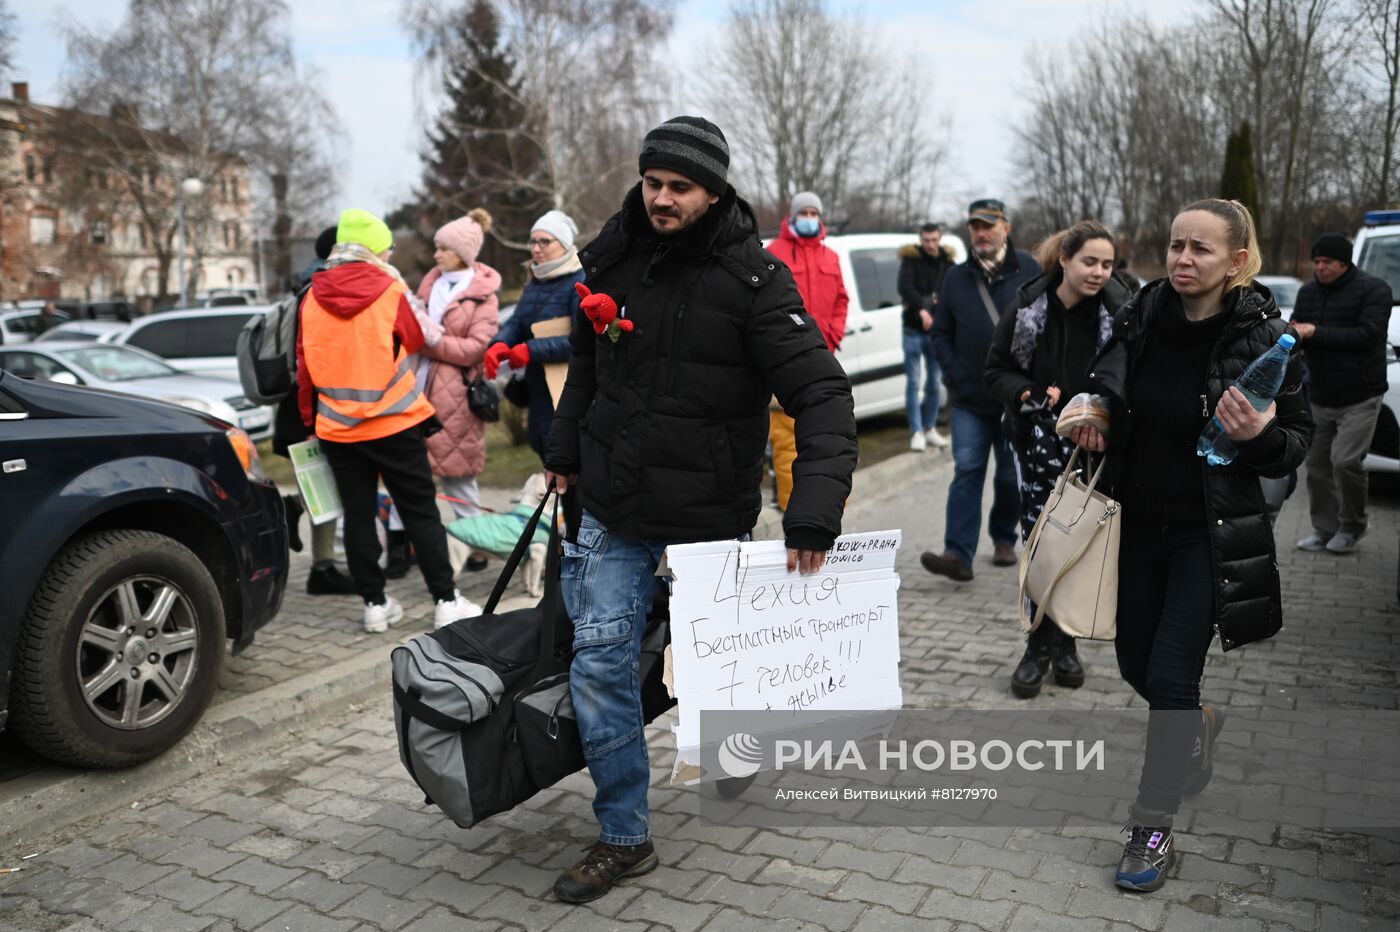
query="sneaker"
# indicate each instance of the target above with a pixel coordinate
(946, 564)
(1148, 855)
(380, 618)
(918, 442)
(328, 580)
(454, 609)
(1203, 755)
(1313, 543)
(935, 438)
(1344, 542)
(603, 865)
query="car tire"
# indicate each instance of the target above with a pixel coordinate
(90, 687)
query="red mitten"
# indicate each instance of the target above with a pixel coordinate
(600, 309)
(494, 355)
(519, 356)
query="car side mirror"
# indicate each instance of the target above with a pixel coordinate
(64, 378)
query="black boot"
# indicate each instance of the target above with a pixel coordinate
(291, 507)
(1069, 672)
(1030, 672)
(399, 562)
(328, 580)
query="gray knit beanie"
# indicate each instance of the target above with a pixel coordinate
(801, 201)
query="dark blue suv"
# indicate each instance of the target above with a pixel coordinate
(136, 537)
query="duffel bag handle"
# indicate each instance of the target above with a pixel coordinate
(523, 545)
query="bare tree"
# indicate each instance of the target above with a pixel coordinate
(179, 90)
(589, 87)
(1382, 20)
(838, 128)
(7, 37)
(296, 171)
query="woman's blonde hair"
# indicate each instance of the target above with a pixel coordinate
(1064, 244)
(1239, 225)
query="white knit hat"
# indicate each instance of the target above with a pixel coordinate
(558, 225)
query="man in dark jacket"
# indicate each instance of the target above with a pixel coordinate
(662, 424)
(921, 272)
(1341, 316)
(973, 297)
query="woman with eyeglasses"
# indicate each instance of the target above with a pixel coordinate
(554, 270)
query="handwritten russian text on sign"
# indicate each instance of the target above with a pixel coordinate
(747, 634)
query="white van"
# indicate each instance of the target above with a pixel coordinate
(872, 352)
(201, 341)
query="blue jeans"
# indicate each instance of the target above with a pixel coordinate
(608, 584)
(919, 345)
(974, 436)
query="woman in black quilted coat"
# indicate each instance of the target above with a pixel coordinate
(1197, 554)
(1038, 361)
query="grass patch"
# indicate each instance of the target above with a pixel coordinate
(507, 465)
(882, 437)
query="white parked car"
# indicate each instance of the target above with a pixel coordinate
(200, 340)
(1284, 288)
(135, 372)
(872, 351)
(96, 331)
(22, 326)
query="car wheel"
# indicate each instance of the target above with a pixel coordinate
(120, 651)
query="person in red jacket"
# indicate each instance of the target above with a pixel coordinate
(817, 270)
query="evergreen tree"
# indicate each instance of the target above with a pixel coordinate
(1237, 180)
(476, 153)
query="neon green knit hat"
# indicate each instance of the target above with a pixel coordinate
(363, 227)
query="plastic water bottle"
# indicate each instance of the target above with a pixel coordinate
(1260, 383)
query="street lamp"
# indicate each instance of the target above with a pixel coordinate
(189, 188)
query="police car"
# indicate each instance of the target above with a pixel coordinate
(1377, 251)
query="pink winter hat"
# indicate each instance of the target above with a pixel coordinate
(465, 234)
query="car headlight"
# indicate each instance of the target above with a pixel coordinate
(194, 404)
(247, 454)
(219, 409)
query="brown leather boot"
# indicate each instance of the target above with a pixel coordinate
(603, 865)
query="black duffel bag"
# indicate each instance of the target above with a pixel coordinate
(481, 706)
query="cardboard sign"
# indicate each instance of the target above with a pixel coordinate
(554, 372)
(747, 634)
(316, 481)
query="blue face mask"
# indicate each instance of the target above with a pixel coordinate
(807, 226)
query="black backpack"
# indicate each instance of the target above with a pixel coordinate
(267, 352)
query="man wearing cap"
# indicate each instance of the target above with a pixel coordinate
(970, 304)
(817, 270)
(688, 328)
(1341, 318)
(356, 388)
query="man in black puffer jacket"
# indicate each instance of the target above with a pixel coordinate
(662, 421)
(1341, 316)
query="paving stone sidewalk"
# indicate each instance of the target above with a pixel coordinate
(326, 831)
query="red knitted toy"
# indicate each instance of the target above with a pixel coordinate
(602, 312)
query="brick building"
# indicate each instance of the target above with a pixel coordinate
(70, 224)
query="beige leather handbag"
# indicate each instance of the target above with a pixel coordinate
(1069, 566)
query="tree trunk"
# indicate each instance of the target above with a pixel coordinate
(281, 235)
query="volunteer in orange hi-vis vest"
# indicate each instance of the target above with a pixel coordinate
(356, 351)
